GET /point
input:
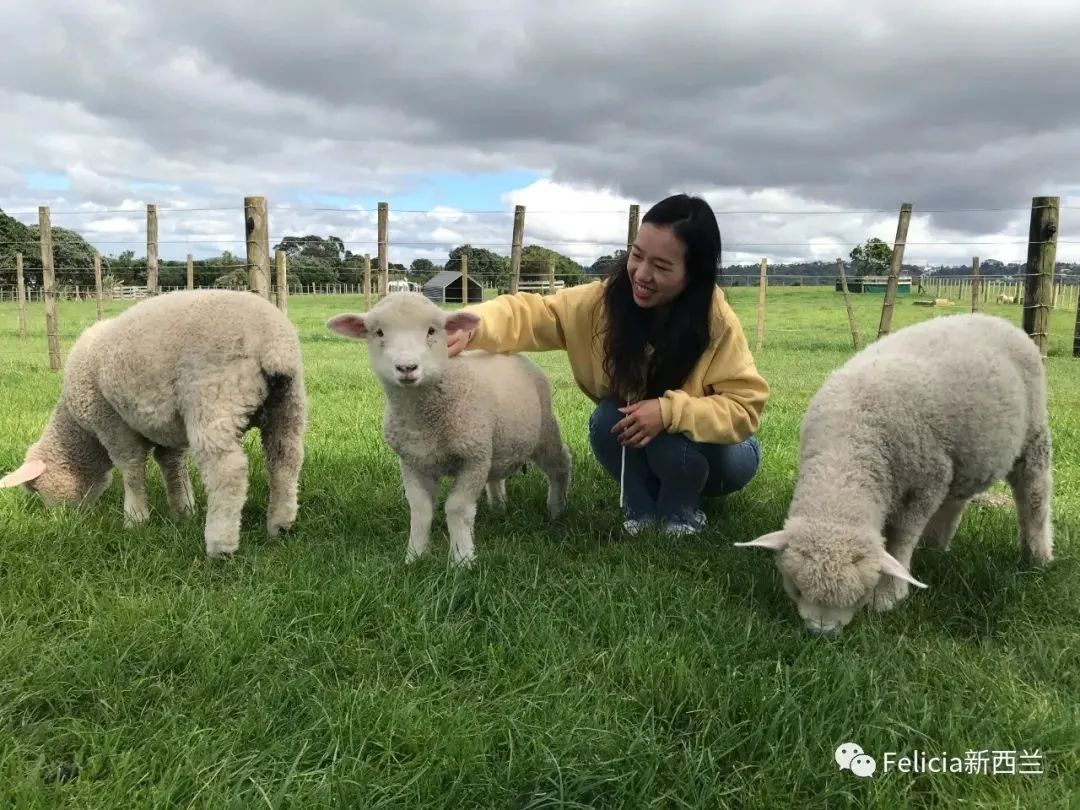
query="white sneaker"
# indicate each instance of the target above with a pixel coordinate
(634, 526)
(685, 528)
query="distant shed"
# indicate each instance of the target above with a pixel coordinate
(445, 288)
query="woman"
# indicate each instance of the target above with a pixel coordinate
(659, 349)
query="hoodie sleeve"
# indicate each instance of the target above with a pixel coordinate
(527, 322)
(730, 410)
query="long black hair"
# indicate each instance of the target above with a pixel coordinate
(678, 343)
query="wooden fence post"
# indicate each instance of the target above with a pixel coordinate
(20, 285)
(515, 247)
(551, 274)
(847, 303)
(190, 272)
(257, 230)
(97, 285)
(975, 284)
(48, 275)
(761, 304)
(384, 272)
(631, 233)
(367, 281)
(464, 279)
(282, 283)
(894, 269)
(151, 249)
(1039, 286)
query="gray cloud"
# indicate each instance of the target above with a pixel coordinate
(958, 105)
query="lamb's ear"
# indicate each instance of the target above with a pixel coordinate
(349, 324)
(773, 541)
(462, 321)
(894, 568)
(27, 472)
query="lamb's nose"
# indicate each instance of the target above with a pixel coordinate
(406, 369)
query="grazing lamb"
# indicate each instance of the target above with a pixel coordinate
(894, 445)
(1006, 299)
(186, 371)
(477, 417)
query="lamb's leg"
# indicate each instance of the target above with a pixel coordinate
(902, 536)
(1031, 481)
(283, 448)
(461, 511)
(128, 451)
(496, 494)
(224, 469)
(942, 527)
(552, 457)
(178, 489)
(421, 491)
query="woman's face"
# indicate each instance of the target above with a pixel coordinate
(657, 266)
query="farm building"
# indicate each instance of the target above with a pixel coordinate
(875, 284)
(445, 288)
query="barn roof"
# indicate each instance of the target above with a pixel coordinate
(446, 277)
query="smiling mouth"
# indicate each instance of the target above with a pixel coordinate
(642, 291)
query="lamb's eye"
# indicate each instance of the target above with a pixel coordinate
(378, 332)
(431, 331)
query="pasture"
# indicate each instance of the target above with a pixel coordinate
(574, 667)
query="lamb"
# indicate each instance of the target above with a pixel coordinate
(894, 445)
(188, 371)
(477, 417)
(1006, 299)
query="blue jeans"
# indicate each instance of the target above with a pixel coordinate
(666, 478)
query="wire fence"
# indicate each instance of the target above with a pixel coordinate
(60, 269)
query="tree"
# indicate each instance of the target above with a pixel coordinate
(534, 265)
(73, 256)
(602, 265)
(871, 259)
(484, 265)
(421, 271)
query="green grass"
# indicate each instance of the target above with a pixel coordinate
(572, 668)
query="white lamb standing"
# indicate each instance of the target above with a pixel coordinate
(477, 417)
(894, 445)
(189, 371)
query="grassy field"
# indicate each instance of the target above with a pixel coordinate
(573, 668)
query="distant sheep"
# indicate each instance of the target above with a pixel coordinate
(894, 445)
(1006, 299)
(477, 417)
(187, 371)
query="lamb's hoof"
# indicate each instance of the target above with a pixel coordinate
(889, 593)
(1041, 556)
(463, 561)
(412, 557)
(222, 549)
(275, 528)
(132, 521)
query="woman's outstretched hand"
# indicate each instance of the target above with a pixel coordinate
(643, 422)
(457, 341)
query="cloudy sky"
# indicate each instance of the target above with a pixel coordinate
(805, 127)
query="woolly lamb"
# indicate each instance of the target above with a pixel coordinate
(894, 445)
(187, 371)
(477, 417)
(1006, 299)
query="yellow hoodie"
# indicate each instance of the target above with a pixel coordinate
(721, 402)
